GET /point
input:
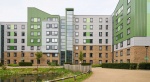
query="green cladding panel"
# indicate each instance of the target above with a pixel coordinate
(148, 17)
(11, 33)
(11, 40)
(35, 14)
(138, 22)
(11, 47)
(87, 40)
(87, 33)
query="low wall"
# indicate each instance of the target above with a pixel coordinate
(80, 68)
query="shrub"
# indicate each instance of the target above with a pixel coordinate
(133, 65)
(25, 63)
(4, 67)
(52, 64)
(13, 65)
(84, 64)
(144, 66)
(97, 65)
(1, 64)
(67, 63)
(116, 65)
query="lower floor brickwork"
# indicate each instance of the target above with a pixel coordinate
(16, 57)
(93, 54)
(135, 54)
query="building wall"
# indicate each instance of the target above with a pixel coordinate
(96, 58)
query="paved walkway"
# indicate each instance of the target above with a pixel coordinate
(118, 75)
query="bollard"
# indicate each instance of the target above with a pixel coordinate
(75, 78)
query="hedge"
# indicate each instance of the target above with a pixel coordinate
(144, 66)
(84, 64)
(120, 65)
(52, 64)
(1, 64)
(25, 63)
(13, 65)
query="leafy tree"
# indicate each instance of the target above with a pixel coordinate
(81, 56)
(38, 56)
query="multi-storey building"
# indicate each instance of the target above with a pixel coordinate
(122, 37)
(131, 31)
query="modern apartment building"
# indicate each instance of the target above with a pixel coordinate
(131, 31)
(121, 38)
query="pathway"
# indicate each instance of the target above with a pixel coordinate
(118, 75)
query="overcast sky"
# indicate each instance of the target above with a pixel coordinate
(16, 10)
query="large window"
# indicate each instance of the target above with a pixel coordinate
(91, 47)
(106, 41)
(91, 54)
(106, 33)
(100, 41)
(100, 55)
(128, 20)
(129, 10)
(100, 34)
(51, 40)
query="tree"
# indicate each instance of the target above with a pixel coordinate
(38, 56)
(81, 56)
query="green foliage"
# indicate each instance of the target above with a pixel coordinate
(1, 64)
(38, 55)
(120, 65)
(97, 65)
(67, 63)
(52, 64)
(13, 65)
(25, 63)
(85, 64)
(81, 56)
(4, 67)
(144, 66)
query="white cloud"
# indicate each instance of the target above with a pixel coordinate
(16, 10)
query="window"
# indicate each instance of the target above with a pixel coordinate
(38, 33)
(77, 48)
(32, 48)
(31, 55)
(15, 33)
(23, 26)
(100, 20)
(38, 48)
(76, 40)
(121, 35)
(76, 20)
(116, 46)
(106, 27)
(76, 27)
(91, 61)
(23, 34)
(100, 61)
(128, 41)
(106, 55)
(91, 20)
(84, 33)
(76, 54)
(121, 53)
(91, 54)
(84, 47)
(129, 10)
(84, 20)
(32, 33)
(38, 40)
(121, 61)
(91, 33)
(106, 48)
(15, 54)
(15, 40)
(116, 54)
(91, 47)
(100, 34)
(54, 55)
(15, 26)
(128, 51)
(15, 47)
(48, 25)
(106, 33)
(22, 54)
(100, 27)
(100, 48)
(91, 27)
(84, 61)
(47, 33)
(106, 20)
(76, 33)
(76, 62)
(84, 41)
(31, 40)
(8, 54)
(128, 20)
(84, 27)
(8, 40)
(22, 47)
(47, 47)
(128, 31)
(84, 54)
(100, 41)
(128, 1)
(128, 60)
(8, 33)
(106, 41)
(8, 26)
(22, 40)
(48, 55)
(100, 55)
(121, 44)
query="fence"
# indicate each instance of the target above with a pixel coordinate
(80, 68)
